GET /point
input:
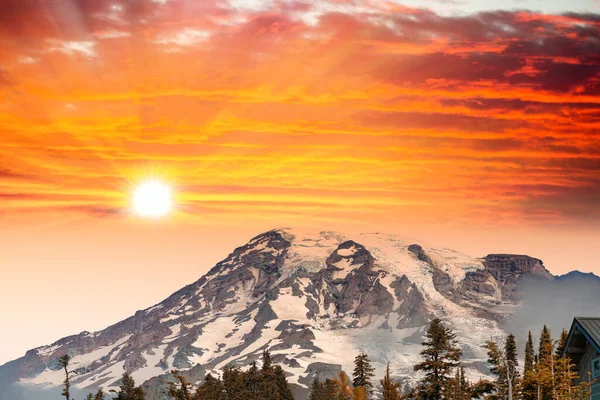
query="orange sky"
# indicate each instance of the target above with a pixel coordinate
(479, 131)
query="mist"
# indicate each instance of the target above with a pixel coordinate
(16, 392)
(554, 304)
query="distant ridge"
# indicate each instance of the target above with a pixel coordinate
(578, 275)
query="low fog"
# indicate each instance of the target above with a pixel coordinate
(14, 392)
(554, 304)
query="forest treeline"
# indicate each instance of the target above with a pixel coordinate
(546, 374)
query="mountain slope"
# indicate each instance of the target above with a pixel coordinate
(314, 300)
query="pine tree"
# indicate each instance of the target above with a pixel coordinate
(583, 391)
(330, 390)
(503, 363)
(363, 373)
(482, 389)
(316, 390)
(252, 383)
(234, 384)
(564, 375)
(268, 387)
(545, 367)
(464, 383)
(562, 343)
(63, 362)
(285, 393)
(99, 395)
(528, 389)
(211, 389)
(389, 388)
(453, 389)
(440, 356)
(545, 349)
(512, 364)
(459, 388)
(128, 390)
(267, 363)
(497, 367)
(181, 389)
(529, 354)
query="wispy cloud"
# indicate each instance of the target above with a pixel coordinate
(186, 37)
(74, 48)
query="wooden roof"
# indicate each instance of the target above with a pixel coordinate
(588, 327)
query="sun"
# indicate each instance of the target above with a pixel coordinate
(152, 199)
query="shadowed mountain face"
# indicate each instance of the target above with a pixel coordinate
(314, 300)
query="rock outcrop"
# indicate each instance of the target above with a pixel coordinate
(510, 271)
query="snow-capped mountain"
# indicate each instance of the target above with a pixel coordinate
(314, 300)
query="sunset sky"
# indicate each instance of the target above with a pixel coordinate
(458, 123)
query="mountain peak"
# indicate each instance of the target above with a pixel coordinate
(311, 298)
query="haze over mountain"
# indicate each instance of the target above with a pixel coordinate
(314, 300)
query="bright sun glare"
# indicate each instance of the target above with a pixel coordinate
(152, 199)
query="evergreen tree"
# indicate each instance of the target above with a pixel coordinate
(455, 390)
(363, 373)
(583, 391)
(529, 354)
(510, 350)
(528, 389)
(99, 395)
(540, 370)
(285, 393)
(211, 389)
(440, 356)
(252, 383)
(466, 391)
(482, 389)
(545, 349)
(564, 374)
(503, 363)
(234, 384)
(128, 390)
(512, 364)
(316, 390)
(63, 362)
(389, 388)
(327, 390)
(181, 389)
(562, 343)
(545, 367)
(464, 383)
(497, 367)
(267, 363)
(268, 385)
(330, 390)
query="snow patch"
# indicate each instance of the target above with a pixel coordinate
(289, 307)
